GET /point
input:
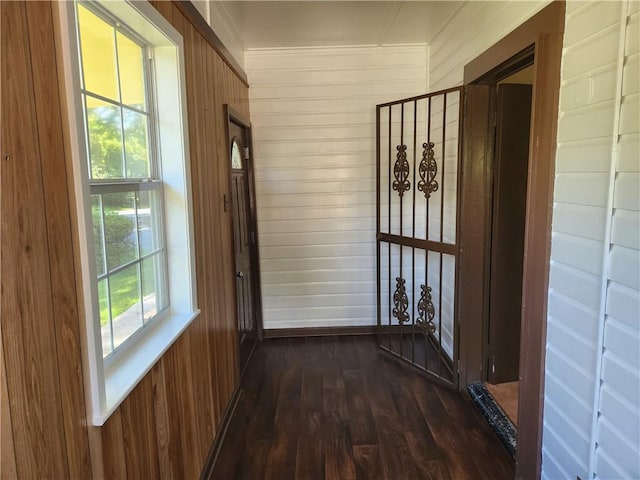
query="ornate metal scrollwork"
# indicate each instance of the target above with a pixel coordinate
(401, 183)
(400, 301)
(426, 310)
(427, 171)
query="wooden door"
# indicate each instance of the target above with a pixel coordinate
(244, 236)
(513, 121)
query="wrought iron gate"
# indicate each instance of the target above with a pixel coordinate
(418, 187)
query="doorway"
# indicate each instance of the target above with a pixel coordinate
(512, 100)
(539, 38)
(245, 236)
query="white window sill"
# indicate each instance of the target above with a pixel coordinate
(121, 377)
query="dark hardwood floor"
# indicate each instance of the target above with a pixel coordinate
(337, 408)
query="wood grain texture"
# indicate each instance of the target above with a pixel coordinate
(63, 286)
(28, 329)
(166, 426)
(7, 451)
(335, 407)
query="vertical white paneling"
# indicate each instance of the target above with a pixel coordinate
(313, 114)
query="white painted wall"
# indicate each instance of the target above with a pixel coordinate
(222, 23)
(592, 400)
(313, 116)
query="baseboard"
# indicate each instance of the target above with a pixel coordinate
(319, 331)
(207, 469)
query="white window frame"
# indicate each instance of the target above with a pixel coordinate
(108, 383)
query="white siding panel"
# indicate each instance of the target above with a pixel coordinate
(577, 347)
(580, 220)
(623, 304)
(623, 340)
(625, 267)
(629, 156)
(621, 377)
(574, 315)
(578, 285)
(313, 114)
(555, 442)
(631, 79)
(591, 20)
(578, 252)
(589, 122)
(596, 51)
(622, 452)
(573, 435)
(581, 188)
(584, 156)
(599, 87)
(621, 413)
(626, 228)
(630, 114)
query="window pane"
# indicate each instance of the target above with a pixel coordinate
(98, 233)
(236, 157)
(152, 288)
(98, 54)
(135, 144)
(120, 226)
(130, 63)
(105, 324)
(149, 221)
(105, 139)
(126, 307)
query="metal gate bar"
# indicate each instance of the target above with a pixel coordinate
(417, 321)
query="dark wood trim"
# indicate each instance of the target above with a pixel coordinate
(212, 457)
(448, 248)
(318, 331)
(193, 15)
(543, 32)
(535, 286)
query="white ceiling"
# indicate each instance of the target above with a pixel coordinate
(273, 24)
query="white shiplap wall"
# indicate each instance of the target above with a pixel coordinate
(472, 30)
(313, 118)
(221, 22)
(592, 401)
(591, 424)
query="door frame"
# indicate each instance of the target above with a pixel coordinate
(544, 34)
(231, 115)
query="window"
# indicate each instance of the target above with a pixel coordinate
(124, 176)
(125, 75)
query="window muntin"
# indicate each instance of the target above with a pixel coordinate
(125, 184)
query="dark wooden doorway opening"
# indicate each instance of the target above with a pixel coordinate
(539, 38)
(245, 236)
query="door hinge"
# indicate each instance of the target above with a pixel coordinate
(225, 201)
(246, 153)
(458, 367)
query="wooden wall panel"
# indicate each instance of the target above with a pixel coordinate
(166, 426)
(28, 329)
(7, 452)
(63, 287)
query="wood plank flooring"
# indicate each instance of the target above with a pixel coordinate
(337, 408)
